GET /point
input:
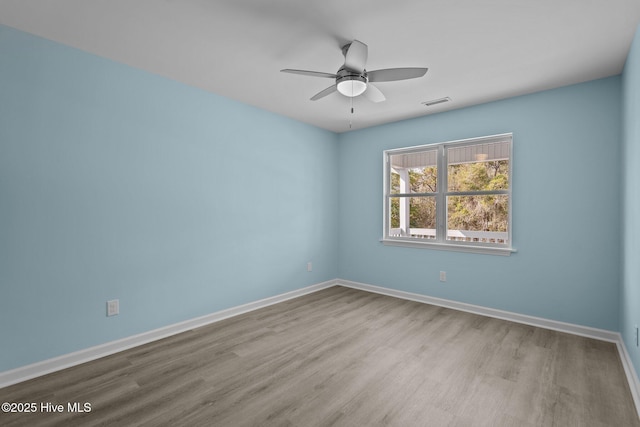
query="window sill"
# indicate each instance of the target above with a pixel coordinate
(488, 250)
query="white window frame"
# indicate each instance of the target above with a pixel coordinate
(440, 242)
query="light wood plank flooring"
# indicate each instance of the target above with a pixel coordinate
(344, 357)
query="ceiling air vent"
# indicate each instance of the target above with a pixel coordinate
(436, 101)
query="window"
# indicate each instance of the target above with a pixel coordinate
(453, 195)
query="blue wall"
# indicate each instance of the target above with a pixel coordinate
(116, 183)
(566, 205)
(630, 285)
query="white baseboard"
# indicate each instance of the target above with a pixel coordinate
(585, 331)
(44, 367)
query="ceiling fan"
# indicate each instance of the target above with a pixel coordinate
(353, 80)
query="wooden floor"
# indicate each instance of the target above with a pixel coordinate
(344, 357)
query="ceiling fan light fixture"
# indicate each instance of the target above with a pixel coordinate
(352, 86)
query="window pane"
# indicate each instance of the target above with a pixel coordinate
(412, 217)
(394, 216)
(423, 180)
(478, 167)
(478, 218)
(394, 181)
(413, 172)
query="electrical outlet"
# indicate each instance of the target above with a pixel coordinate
(443, 276)
(309, 266)
(113, 307)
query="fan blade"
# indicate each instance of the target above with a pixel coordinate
(309, 73)
(393, 74)
(355, 57)
(324, 93)
(373, 93)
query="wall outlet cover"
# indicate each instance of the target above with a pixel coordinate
(113, 307)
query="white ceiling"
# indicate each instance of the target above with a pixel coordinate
(476, 51)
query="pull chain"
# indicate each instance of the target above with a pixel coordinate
(351, 105)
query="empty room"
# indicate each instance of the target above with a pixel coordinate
(321, 213)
